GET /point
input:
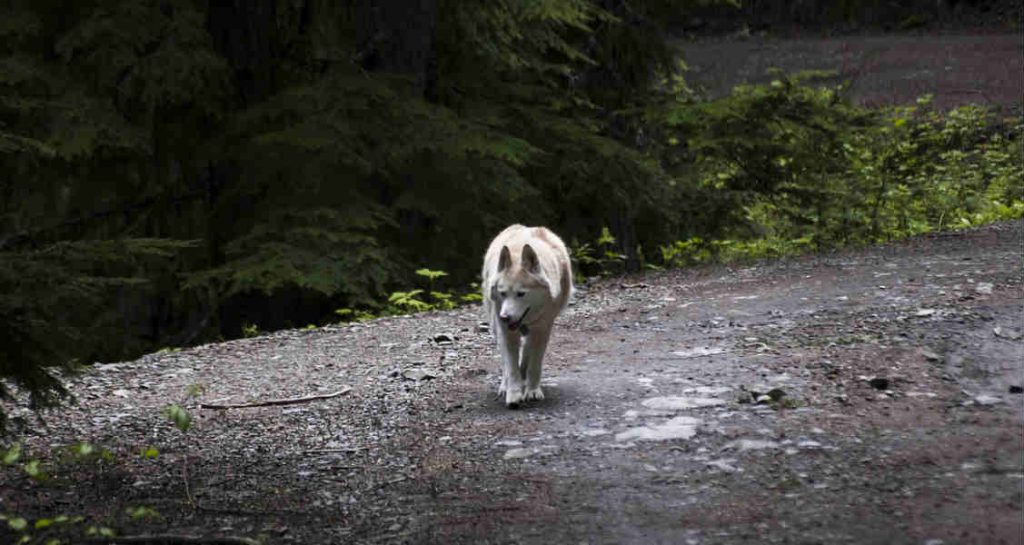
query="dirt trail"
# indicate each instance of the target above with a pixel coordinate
(649, 433)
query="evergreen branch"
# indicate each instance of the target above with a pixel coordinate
(29, 236)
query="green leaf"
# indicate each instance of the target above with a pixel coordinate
(82, 450)
(430, 273)
(399, 295)
(149, 453)
(33, 469)
(101, 531)
(142, 512)
(12, 454)
(179, 416)
(17, 524)
(194, 390)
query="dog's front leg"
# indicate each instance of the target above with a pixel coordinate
(511, 381)
(533, 359)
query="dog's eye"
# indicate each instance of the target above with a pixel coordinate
(520, 293)
(502, 294)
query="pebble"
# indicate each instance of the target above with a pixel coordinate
(419, 374)
(987, 400)
(929, 355)
(699, 351)
(744, 445)
(517, 453)
(1006, 333)
(680, 427)
(676, 403)
(879, 383)
(724, 464)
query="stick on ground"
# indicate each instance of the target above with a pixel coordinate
(173, 539)
(269, 402)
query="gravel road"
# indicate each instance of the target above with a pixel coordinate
(882, 69)
(865, 396)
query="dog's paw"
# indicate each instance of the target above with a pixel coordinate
(534, 394)
(513, 398)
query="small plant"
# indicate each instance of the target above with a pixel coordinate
(471, 297)
(600, 259)
(411, 301)
(408, 301)
(685, 252)
(182, 420)
(32, 467)
(431, 275)
(441, 299)
(250, 330)
(354, 315)
(582, 257)
(179, 416)
(48, 530)
(62, 528)
(142, 513)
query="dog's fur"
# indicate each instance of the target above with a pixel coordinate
(527, 281)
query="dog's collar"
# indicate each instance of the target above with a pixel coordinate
(521, 328)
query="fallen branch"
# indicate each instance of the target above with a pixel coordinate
(349, 450)
(173, 539)
(707, 355)
(287, 401)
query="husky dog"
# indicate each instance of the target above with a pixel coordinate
(527, 281)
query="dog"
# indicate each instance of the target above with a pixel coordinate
(527, 281)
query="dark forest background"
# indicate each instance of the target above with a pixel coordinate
(174, 171)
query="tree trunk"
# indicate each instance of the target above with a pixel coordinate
(397, 36)
(243, 31)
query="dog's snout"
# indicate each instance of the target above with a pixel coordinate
(504, 317)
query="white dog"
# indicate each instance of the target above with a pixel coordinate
(527, 281)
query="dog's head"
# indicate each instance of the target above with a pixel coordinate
(520, 292)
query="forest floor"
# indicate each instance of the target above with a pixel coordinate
(896, 417)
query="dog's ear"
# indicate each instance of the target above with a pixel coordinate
(505, 259)
(530, 261)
